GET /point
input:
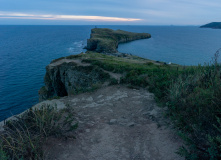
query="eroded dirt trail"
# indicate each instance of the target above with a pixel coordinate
(115, 123)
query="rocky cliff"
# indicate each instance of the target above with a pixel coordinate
(91, 70)
(68, 77)
(105, 40)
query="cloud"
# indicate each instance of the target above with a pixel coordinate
(11, 15)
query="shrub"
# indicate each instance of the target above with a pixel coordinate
(194, 106)
(3, 155)
(24, 136)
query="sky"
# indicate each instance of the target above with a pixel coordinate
(109, 12)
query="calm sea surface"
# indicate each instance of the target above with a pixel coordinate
(26, 50)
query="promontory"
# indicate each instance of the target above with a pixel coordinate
(214, 25)
(104, 40)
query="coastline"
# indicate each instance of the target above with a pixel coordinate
(95, 90)
(127, 37)
(36, 70)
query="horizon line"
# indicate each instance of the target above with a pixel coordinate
(100, 25)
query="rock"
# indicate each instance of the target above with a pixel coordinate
(112, 121)
(153, 113)
(88, 130)
(90, 99)
(69, 79)
(131, 124)
(146, 113)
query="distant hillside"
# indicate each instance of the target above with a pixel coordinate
(214, 25)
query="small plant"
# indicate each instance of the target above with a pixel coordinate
(149, 63)
(113, 81)
(54, 97)
(3, 155)
(24, 136)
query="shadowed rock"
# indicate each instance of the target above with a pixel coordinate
(69, 78)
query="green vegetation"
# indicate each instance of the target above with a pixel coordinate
(68, 57)
(23, 137)
(106, 40)
(194, 106)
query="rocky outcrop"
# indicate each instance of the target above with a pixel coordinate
(105, 40)
(63, 79)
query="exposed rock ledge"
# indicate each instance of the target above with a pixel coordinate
(105, 40)
(68, 77)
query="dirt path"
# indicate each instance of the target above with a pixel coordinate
(115, 123)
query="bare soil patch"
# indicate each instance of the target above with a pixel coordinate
(115, 123)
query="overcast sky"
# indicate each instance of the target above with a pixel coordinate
(122, 12)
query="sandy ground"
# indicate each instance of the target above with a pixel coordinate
(115, 123)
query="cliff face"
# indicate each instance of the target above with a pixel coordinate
(105, 40)
(63, 79)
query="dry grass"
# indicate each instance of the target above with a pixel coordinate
(23, 137)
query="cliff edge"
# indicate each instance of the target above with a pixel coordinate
(105, 40)
(91, 70)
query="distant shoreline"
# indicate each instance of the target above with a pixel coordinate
(213, 25)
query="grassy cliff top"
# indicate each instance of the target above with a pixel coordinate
(117, 64)
(117, 35)
(214, 25)
(106, 40)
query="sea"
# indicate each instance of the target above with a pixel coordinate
(26, 50)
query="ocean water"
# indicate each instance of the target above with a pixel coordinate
(181, 45)
(26, 50)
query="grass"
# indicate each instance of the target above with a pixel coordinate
(194, 106)
(23, 137)
(192, 96)
(105, 33)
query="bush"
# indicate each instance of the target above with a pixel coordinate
(194, 106)
(3, 155)
(24, 136)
